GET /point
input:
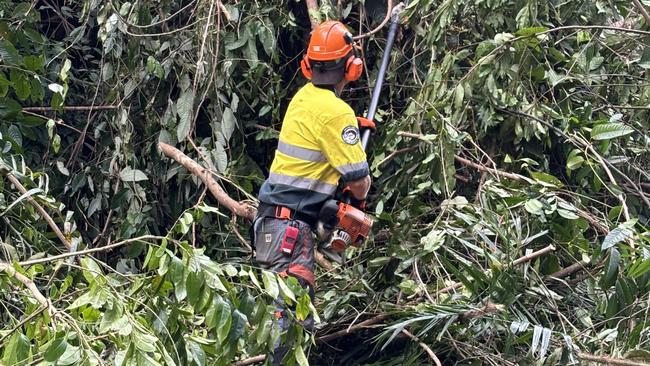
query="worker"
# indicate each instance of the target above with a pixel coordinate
(318, 147)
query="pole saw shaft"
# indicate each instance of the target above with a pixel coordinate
(385, 59)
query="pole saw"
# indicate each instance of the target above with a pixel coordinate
(350, 225)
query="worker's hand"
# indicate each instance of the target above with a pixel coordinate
(359, 188)
(366, 123)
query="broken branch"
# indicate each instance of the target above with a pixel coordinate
(12, 178)
(423, 345)
(238, 208)
(610, 360)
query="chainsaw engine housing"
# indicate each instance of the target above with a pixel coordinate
(350, 225)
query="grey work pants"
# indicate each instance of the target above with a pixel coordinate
(268, 234)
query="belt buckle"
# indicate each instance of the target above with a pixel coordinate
(282, 212)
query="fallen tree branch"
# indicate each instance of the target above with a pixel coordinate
(423, 345)
(238, 208)
(570, 269)
(533, 255)
(12, 178)
(250, 360)
(610, 360)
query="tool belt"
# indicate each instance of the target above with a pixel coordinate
(284, 213)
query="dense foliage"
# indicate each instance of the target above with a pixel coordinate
(506, 127)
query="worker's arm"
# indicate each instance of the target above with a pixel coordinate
(359, 188)
(339, 141)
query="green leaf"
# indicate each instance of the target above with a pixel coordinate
(239, 321)
(71, 356)
(8, 53)
(185, 111)
(196, 353)
(223, 319)
(56, 349)
(300, 356)
(459, 95)
(228, 124)
(220, 157)
(16, 351)
(21, 84)
(144, 341)
(574, 162)
(91, 269)
(34, 63)
(611, 269)
(546, 178)
(433, 240)
(302, 308)
(286, 291)
(195, 281)
(270, 284)
(129, 174)
(67, 64)
(607, 131)
(534, 206)
(619, 234)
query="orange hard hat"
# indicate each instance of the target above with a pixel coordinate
(331, 40)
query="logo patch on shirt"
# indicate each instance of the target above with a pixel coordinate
(268, 238)
(350, 135)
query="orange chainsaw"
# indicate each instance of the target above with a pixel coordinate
(345, 218)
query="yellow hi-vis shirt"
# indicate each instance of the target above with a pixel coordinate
(319, 144)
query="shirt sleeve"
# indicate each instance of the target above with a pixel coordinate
(340, 141)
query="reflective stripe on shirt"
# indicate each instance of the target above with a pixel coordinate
(301, 182)
(301, 153)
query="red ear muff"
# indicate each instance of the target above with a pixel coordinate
(305, 68)
(353, 68)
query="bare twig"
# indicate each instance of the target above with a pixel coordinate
(392, 155)
(643, 11)
(89, 251)
(610, 360)
(12, 178)
(533, 255)
(483, 168)
(489, 308)
(238, 208)
(423, 345)
(374, 320)
(383, 23)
